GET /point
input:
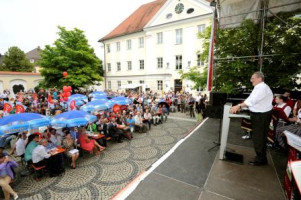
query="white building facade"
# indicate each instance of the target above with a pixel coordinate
(154, 43)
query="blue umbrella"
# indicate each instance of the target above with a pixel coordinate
(73, 118)
(77, 102)
(121, 100)
(22, 122)
(96, 105)
(111, 103)
(78, 97)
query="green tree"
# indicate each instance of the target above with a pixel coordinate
(235, 42)
(71, 53)
(15, 60)
(281, 41)
(198, 78)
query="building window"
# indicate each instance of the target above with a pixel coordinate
(179, 36)
(129, 65)
(160, 38)
(119, 84)
(109, 85)
(141, 64)
(201, 28)
(160, 85)
(168, 16)
(117, 46)
(130, 82)
(141, 42)
(200, 62)
(109, 67)
(118, 66)
(160, 62)
(129, 44)
(141, 81)
(108, 48)
(190, 10)
(179, 62)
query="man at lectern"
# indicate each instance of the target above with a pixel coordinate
(260, 106)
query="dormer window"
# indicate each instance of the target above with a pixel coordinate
(190, 10)
(168, 16)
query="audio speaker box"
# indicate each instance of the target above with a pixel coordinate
(214, 111)
(218, 98)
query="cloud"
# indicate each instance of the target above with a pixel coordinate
(31, 23)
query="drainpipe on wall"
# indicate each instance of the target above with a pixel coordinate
(104, 65)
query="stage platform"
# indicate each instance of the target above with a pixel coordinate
(193, 173)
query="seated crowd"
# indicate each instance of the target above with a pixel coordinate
(40, 149)
(50, 149)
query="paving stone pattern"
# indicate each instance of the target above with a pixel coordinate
(100, 177)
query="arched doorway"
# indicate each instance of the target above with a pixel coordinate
(18, 88)
(178, 85)
(17, 85)
(1, 87)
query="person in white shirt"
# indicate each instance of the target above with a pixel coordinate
(139, 123)
(52, 161)
(260, 106)
(147, 117)
(20, 145)
(198, 98)
(55, 138)
(40, 153)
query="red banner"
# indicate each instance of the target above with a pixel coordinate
(7, 107)
(116, 108)
(72, 105)
(19, 108)
(34, 96)
(50, 100)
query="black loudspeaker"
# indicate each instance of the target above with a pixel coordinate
(218, 98)
(214, 111)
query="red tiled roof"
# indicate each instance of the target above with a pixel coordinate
(18, 73)
(137, 20)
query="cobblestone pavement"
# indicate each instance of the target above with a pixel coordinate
(100, 177)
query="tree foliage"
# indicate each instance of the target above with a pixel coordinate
(15, 60)
(199, 79)
(71, 53)
(281, 42)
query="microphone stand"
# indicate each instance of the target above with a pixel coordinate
(218, 143)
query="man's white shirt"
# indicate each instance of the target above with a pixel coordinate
(260, 100)
(39, 153)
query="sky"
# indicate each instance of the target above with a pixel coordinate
(28, 24)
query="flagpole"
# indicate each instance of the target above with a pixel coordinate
(211, 54)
